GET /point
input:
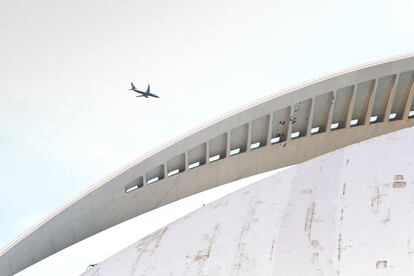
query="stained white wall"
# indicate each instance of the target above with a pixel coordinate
(344, 213)
(62, 67)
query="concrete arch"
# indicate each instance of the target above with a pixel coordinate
(280, 130)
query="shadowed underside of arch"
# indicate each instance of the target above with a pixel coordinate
(283, 129)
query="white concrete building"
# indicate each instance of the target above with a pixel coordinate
(347, 212)
(284, 129)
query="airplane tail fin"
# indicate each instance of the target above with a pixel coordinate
(132, 86)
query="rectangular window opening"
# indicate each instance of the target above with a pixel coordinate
(295, 134)
(214, 158)
(173, 172)
(354, 122)
(334, 125)
(234, 151)
(275, 140)
(315, 130)
(153, 180)
(393, 116)
(134, 185)
(373, 119)
(197, 156)
(255, 145)
(131, 189)
(194, 165)
(217, 148)
(411, 114)
(176, 165)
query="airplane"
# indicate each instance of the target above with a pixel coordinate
(145, 94)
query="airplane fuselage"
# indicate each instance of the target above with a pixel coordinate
(145, 94)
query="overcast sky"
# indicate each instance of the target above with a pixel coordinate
(68, 120)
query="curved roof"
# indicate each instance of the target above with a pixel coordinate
(342, 213)
(283, 129)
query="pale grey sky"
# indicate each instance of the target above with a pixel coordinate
(67, 118)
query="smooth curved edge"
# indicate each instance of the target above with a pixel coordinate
(187, 135)
(196, 129)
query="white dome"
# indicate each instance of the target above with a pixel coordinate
(347, 212)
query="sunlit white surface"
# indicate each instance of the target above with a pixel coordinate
(344, 213)
(64, 67)
(76, 258)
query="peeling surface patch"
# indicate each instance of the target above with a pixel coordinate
(204, 254)
(399, 181)
(376, 201)
(309, 218)
(381, 264)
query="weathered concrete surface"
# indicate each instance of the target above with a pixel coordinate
(349, 212)
(283, 129)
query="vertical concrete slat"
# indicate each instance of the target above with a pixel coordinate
(186, 161)
(310, 120)
(228, 143)
(289, 131)
(266, 139)
(351, 108)
(390, 99)
(165, 170)
(269, 129)
(371, 102)
(249, 136)
(330, 113)
(409, 101)
(207, 152)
